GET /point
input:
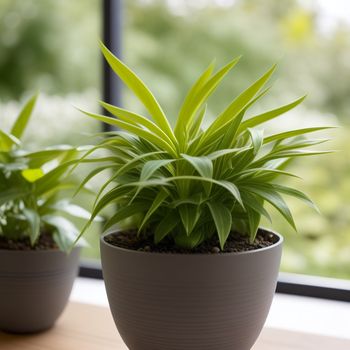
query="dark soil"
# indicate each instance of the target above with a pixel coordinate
(235, 243)
(45, 242)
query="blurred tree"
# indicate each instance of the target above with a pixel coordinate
(52, 45)
(169, 43)
(35, 52)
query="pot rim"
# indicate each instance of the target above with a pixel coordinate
(35, 252)
(253, 251)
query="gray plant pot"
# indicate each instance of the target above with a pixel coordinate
(34, 288)
(190, 301)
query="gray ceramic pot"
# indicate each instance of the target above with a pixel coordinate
(190, 301)
(34, 288)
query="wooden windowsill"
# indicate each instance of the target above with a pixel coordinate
(90, 327)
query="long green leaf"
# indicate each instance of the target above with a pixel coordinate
(33, 219)
(189, 215)
(91, 175)
(51, 179)
(152, 166)
(293, 133)
(254, 222)
(185, 119)
(7, 141)
(285, 154)
(257, 204)
(124, 169)
(196, 199)
(203, 165)
(297, 194)
(195, 128)
(262, 174)
(134, 83)
(120, 191)
(23, 117)
(264, 117)
(197, 86)
(232, 131)
(39, 158)
(223, 221)
(295, 144)
(125, 212)
(158, 201)
(274, 198)
(188, 242)
(223, 152)
(113, 195)
(238, 105)
(166, 225)
(257, 136)
(147, 135)
(136, 119)
(229, 186)
(229, 134)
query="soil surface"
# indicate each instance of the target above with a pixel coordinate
(45, 242)
(235, 243)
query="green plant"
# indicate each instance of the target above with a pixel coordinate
(188, 183)
(34, 188)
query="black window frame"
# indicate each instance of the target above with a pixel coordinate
(288, 283)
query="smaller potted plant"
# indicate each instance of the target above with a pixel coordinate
(36, 231)
(189, 267)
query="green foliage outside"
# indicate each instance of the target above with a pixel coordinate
(41, 50)
(168, 47)
(173, 48)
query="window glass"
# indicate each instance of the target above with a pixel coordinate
(51, 46)
(169, 43)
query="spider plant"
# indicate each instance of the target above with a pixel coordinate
(188, 183)
(34, 188)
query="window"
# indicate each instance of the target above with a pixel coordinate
(169, 43)
(52, 46)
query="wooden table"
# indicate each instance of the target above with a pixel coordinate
(87, 327)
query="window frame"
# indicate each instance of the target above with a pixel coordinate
(288, 283)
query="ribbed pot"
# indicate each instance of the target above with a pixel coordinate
(34, 288)
(190, 301)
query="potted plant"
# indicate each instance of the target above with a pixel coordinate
(36, 231)
(185, 262)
